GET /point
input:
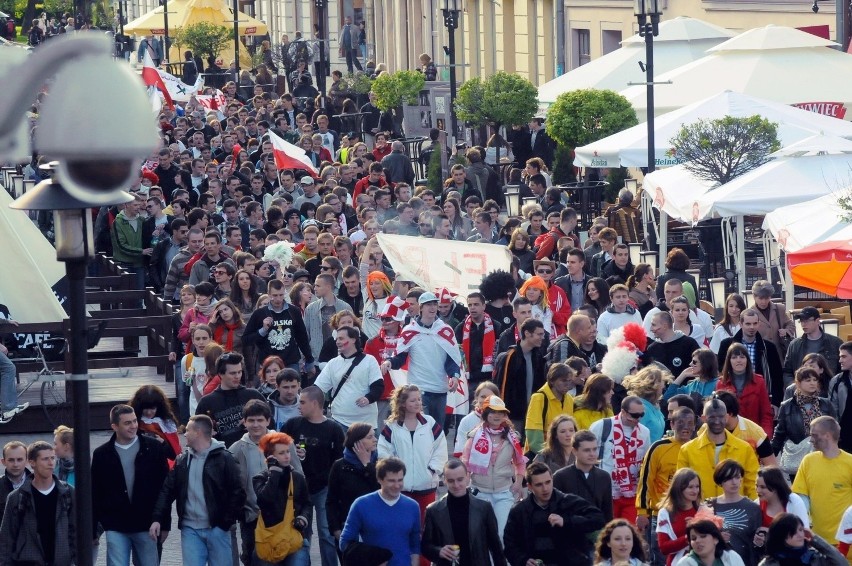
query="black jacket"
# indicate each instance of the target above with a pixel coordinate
(482, 526)
(768, 364)
(272, 496)
(580, 518)
(829, 347)
(223, 489)
(507, 340)
(6, 485)
(510, 372)
(597, 489)
(346, 483)
(790, 424)
(111, 506)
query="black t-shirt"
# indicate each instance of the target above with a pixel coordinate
(225, 407)
(323, 446)
(45, 511)
(675, 355)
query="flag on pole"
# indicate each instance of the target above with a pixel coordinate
(289, 156)
(179, 90)
(152, 77)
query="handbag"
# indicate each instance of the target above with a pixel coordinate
(277, 542)
(792, 455)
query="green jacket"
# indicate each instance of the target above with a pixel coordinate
(126, 242)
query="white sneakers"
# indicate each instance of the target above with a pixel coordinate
(8, 415)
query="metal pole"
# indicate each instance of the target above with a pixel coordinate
(79, 386)
(649, 89)
(320, 4)
(236, 9)
(166, 30)
(451, 21)
(560, 38)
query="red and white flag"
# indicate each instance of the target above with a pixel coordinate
(288, 156)
(152, 78)
(215, 101)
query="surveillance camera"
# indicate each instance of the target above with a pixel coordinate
(98, 135)
(815, 7)
(447, 50)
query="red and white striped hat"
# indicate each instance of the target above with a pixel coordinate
(396, 308)
(445, 296)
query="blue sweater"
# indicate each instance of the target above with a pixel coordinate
(396, 528)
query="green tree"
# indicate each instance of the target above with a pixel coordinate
(203, 38)
(723, 149)
(584, 116)
(500, 100)
(394, 89)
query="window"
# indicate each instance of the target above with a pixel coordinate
(582, 47)
(610, 41)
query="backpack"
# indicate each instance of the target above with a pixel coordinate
(277, 542)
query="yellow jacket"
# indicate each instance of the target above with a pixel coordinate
(700, 455)
(655, 475)
(540, 415)
(585, 417)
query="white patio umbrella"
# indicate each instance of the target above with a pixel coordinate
(681, 40)
(799, 225)
(628, 148)
(774, 62)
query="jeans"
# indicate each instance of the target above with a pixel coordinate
(8, 390)
(435, 405)
(247, 529)
(384, 413)
(364, 53)
(657, 558)
(301, 557)
(501, 502)
(120, 545)
(206, 546)
(327, 546)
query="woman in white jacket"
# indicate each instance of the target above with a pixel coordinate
(418, 441)
(707, 547)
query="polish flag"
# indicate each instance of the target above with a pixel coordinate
(152, 78)
(288, 156)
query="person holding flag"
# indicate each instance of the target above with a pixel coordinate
(384, 346)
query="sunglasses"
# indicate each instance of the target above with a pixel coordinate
(636, 415)
(388, 319)
(425, 225)
(287, 275)
(325, 268)
(544, 271)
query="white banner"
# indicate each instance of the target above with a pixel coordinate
(179, 90)
(432, 264)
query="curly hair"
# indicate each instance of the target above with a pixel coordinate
(149, 396)
(497, 285)
(602, 550)
(645, 383)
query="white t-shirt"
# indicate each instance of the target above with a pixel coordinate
(343, 408)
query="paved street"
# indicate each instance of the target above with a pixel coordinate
(171, 549)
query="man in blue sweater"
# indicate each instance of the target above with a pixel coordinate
(386, 518)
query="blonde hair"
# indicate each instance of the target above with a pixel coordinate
(645, 382)
(65, 435)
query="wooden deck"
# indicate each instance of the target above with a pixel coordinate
(107, 387)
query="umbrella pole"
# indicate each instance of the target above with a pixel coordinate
(740, 251)
(664, 241)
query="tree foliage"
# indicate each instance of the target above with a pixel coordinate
(723, 149)
(392, 89)
(501, 99)
(203, 38)
(584, 116)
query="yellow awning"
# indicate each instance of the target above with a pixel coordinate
(185, 12)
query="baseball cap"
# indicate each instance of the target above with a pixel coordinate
(427, 297)
(807, 313)
(495, 404)
(307, 180)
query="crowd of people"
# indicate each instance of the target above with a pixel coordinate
(611, 421)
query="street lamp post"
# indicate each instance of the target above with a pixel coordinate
(648, 15)
(320, 5)
(92, 172)
(236, 10)
(451, 21)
